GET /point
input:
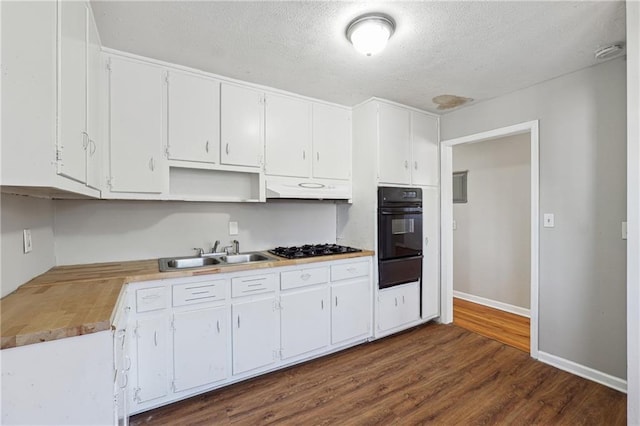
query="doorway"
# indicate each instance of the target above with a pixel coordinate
(531, 130)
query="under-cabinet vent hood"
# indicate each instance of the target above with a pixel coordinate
(310, 189)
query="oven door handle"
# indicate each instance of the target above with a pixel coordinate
(401, 212)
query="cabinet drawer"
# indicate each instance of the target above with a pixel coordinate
(199, 292)
(253, 284)
(303, 277)
(349, 270)
(151, 299)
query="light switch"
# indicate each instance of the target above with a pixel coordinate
(26, 240)
(233, 228)
(549, 220)
(624, 230)
(455, 225)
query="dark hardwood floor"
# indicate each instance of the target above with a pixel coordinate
(434, 374)
(505, 327)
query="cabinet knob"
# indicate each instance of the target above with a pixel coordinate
(227, 148)
(406, 164)
(304, 154)
(206, 147)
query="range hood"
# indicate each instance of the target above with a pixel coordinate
(309, 189)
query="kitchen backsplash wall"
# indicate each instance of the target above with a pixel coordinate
(492, 238)
(101, 231)
(18, 213)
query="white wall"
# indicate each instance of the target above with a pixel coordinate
(633, 211)
(492, 241)
(101, 231)
(18, 213)
(583, 181)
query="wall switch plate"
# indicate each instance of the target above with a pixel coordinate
(26, 240)
(233, 228)
(455, 225)
(624, 230)
(549, 220)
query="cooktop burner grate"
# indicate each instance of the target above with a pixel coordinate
(311, 250)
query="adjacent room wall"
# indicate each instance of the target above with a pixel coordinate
(583, 182)
(492, 239)
(100, 231)
(18, 213)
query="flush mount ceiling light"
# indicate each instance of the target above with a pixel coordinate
(609, 51)
(369, 33)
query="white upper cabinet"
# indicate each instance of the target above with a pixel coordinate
(193, 108)
(73, 137)
(241, 126)
(94, 129)
(288, 136)
(424, 142)
(135, 112)
(394, 148)
(331, 142)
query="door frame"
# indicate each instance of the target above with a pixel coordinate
(446, 214)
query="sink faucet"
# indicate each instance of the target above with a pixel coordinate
(234, 248)
(214, 249)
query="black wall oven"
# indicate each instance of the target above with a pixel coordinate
(399, 235)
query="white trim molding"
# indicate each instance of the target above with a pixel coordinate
(583, 371)
(446, 218)
(516, 310)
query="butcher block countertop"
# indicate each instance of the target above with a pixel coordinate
(73, 300)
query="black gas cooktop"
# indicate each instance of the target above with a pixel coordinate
(310, 250)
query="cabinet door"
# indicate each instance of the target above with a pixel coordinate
(94, 147)
(350, 310)
(304, 321)
(199, 347)
(431, 252)
(288, 136)
(151, 361)
(394, 144)
(255, 334)
(424, 142)
(193, 105)
(331, 142)
(73, 139)
(398, 306)
(241, 126)
(136, 127)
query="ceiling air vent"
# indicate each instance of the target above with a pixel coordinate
(608, 51)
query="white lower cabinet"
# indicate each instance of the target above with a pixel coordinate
(191, 335)
(304, 321)
(199, 347)
(398, 306)
(350, 310)
(151, 335)
(255, 337)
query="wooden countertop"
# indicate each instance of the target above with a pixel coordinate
(74, 300)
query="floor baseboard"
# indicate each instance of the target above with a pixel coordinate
(516, 310)
(583, 371)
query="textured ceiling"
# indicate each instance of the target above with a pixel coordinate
(476, 50)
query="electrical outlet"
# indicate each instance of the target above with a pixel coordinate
(233, 228)
(26, 240)
(549, 220)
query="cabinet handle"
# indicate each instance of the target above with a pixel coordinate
(85, 140)
(238, 321)
(406, 164)
(305, 276)
(426, 241)
(352, 270)
(304, 154)
(218, 326)
(206, 147)
(155, 338)
(396, 301)
(152, 164)
(227, 148)
(415, 165)
(322, 305)
(126, 381)
(403, 299)
(336, 301)
(128, 363)
(92, 147)
(318, 156)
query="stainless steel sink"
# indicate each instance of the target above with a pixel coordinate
(175, 263)
(245, 258)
